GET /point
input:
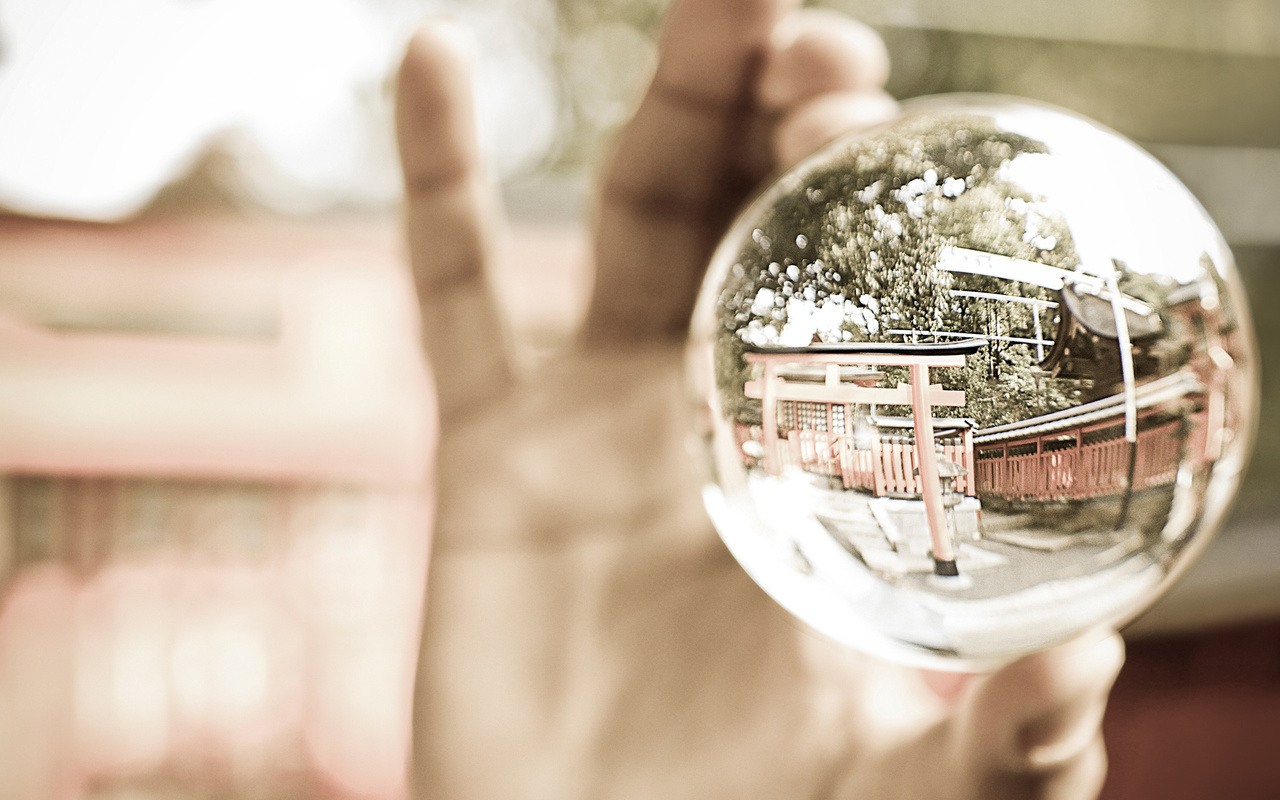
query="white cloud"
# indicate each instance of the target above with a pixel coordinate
(1119, 202)
(106, 102)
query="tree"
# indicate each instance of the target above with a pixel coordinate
(849, 252)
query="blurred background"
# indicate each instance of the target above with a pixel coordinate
(212, 519)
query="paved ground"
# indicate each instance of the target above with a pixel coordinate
(1005, 553)
(858, 568)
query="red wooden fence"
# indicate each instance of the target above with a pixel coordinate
(887, 468)
(1064, 465)
(1025, 469)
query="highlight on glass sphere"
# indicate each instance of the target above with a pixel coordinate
(978, 380)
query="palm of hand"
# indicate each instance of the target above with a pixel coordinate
(587, 635)
(635, 653)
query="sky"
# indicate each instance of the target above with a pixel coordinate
(1119, 202)
(104, 103)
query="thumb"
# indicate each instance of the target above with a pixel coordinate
(1033, 729)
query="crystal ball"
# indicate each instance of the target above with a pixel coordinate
(971, 383)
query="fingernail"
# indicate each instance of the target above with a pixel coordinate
(946, 685)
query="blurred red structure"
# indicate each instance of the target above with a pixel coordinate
(285, 664)
(1197, 716)
(215, 441)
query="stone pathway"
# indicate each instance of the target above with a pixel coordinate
(891, 538)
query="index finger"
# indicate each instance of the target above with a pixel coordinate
(679, 168)
(451, 218)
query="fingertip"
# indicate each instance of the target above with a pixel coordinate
(1089, 661)
(435, 73)
(440, 41)
(816, 51)
(826, 118)
(435, 112)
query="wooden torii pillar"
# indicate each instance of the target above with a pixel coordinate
(919, 394)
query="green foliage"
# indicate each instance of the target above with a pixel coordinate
(858, 237)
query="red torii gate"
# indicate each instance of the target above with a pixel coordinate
(919, 394)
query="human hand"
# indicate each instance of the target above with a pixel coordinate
(587, 635)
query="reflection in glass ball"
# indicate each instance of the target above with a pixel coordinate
(1033, 297)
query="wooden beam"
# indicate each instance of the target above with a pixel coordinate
(850, 393)
(769, 421)
(944, 557)
(859, 359)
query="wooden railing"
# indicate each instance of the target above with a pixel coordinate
(1027, 470)
(887, 468)
(1045, 468)
(895, 461)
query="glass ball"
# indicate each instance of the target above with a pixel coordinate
(972, 382)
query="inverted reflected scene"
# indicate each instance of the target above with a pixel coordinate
(976, 380)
